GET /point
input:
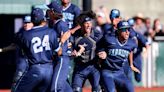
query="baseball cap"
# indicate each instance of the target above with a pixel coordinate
(123, 25)
(87, 19)
(56, 7)
(44, 7)
(37, 15)
(115, 13)
(27, 19)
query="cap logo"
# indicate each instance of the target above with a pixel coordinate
(125, 23)
(87, 19)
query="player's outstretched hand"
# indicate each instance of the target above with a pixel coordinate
(135, 69)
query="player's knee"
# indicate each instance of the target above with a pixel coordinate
(77, 89)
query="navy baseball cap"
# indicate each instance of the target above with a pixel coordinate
(56, 7)
(115, 13)
(123, 25)
(37, 15)
(27, 19)
(87, 19)
(131, 21)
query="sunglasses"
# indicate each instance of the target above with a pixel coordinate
(124, 29)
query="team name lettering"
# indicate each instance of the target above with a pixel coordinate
(118, 52)
(69, 17)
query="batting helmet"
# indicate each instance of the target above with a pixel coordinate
(115, 13)
(131, 21)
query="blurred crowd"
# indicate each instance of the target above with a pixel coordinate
(142, 24)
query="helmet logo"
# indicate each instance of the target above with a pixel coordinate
(115, 12)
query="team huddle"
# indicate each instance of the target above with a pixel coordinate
(50, 42)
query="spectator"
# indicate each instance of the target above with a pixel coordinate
(158, 28)
(149, 31)
(139, 23)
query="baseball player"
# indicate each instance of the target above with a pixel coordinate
(22, 63)
(85, 62)
(115, 50)
(115, 19)
(61, 68)
(38, 45)
(141, 43)
(70, 13)
(110, 29)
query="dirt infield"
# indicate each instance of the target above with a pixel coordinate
(137, 89)
(154, 89)
(5, 90)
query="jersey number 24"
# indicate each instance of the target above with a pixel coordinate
(39, 44)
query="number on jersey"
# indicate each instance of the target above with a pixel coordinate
(40, 44)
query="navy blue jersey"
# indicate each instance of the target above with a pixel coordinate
(142, 41)
(70, 13)
(39, 44)
(117, 53)
(18, 35)
(61, 27)
(106, 27)
(96, 34)
(133, 33)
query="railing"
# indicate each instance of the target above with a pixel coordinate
(153, 64)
